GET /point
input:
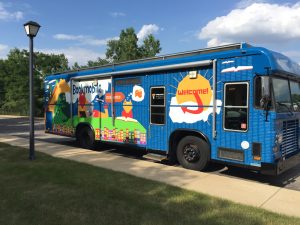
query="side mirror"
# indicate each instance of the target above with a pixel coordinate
(296, 107)
(265, 102)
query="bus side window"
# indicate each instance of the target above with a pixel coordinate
(257, 92)
(236, 106)
(157, 105)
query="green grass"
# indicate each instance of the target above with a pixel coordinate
(57, 191)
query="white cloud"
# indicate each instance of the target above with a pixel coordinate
(117, 14)
(146, 30)
(256, 23)
(75, 54)
(68, 37)
(83, 39)
(7, 15)
(3, 51)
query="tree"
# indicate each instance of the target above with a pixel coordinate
(151, 47)
(127, 48)
(14, 79)
(76, 66)
(50, 63)
(2, 84)
(98, 62)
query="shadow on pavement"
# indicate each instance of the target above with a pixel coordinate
(289, 178)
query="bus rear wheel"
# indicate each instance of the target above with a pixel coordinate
(193, 153)
(86, 138)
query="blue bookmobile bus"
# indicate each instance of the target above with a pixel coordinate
(234, 104)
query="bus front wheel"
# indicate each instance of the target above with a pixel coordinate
(193, 153)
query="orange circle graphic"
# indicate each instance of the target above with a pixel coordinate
(195, 90)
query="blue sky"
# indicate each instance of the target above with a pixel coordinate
(80, 29)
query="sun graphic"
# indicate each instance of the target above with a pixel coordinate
(196, 91)
(193, 100)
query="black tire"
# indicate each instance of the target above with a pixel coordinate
(193, 153)
(86, 138)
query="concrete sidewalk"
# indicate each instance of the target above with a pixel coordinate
(276, 199)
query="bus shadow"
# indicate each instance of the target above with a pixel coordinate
(288, 179)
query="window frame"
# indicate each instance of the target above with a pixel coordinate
(255, 95)
(157, 106)
(291, 94)
(274, 96)
(289, 80)
(246, 107)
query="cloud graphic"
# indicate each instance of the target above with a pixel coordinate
(178, 116)
(138, 93)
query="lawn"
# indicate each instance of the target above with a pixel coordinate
(57, 191)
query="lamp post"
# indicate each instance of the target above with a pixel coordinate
(31, 29)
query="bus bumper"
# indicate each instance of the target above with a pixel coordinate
(280, 166)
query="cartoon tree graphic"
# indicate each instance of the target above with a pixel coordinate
(62, 110)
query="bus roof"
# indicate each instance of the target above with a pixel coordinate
(277, 61)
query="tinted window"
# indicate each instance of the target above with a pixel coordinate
(157, 105)
(236, 94)
(258, 91)
(295, 91)
(262, 92)
(236, 107)
(157, 96)
(282, 94)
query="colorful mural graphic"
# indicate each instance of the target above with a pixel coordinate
(92, 103)
(61, 87)
(194, 98)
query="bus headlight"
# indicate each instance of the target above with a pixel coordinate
(279, 138)
(275, 149)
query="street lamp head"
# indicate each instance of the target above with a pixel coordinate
(31, 28)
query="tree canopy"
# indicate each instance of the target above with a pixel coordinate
(127, 47)
(14, 79)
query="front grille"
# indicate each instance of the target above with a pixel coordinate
(290, 137)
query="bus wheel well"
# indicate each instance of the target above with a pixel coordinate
(81, 126)
(175, 138)
(85, 136)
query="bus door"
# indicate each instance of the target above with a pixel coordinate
(157, 118)
(233, 121)
(130, 111)
(156, 113)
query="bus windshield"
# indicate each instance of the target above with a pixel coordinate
(286, 95)
(295, 92)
